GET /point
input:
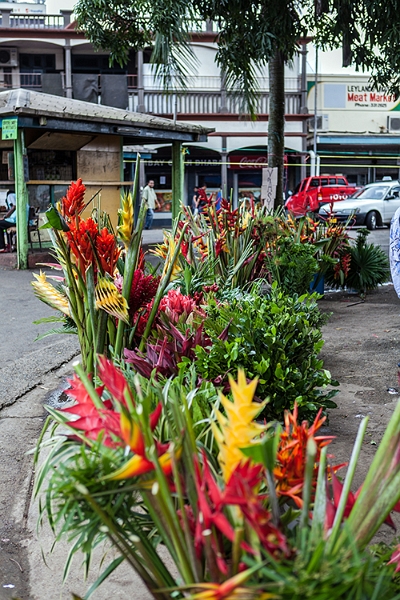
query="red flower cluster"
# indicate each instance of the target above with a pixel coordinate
(117, 428)
(178, 307)
(211, 520)
(87, 244)
(73, 202)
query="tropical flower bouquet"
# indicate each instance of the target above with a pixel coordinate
(246, 510)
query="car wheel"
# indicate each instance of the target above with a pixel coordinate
(371, 221)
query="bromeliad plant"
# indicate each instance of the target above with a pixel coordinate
(103, 288)
(223, 248)
(243, 517)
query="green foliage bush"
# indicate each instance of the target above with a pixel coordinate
(293, 265)
(276, 338)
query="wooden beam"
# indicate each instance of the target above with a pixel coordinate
(21, 194)
(178, 173)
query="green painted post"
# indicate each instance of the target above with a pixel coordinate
(21, 194)
(178, 173)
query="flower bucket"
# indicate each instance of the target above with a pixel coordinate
(317, 284)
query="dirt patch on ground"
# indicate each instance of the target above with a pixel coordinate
(362, 351)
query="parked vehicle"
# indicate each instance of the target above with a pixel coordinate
(372, 206)
(313, 192)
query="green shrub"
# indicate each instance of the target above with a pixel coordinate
(293, 265)
(275, 337)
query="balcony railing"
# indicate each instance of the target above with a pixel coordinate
(197, 103)
(193, 101)
(38, 21)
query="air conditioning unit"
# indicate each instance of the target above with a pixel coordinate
(393, 123)
(322, 123)
(8, 57)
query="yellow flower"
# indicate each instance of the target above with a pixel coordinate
(110, 300)
(125, 226)
(237, 429)
(47, 293)
(166, 251)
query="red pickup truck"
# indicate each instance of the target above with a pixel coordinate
(311, 192)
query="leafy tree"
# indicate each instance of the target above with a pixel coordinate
(251, 34)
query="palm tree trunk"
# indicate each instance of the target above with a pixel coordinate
(276, 120)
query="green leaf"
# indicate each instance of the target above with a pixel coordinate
(55, 220)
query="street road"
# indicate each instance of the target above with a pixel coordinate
(380, 236)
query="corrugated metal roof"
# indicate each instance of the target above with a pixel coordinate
(27, 102)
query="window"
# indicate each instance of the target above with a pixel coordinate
(332, 181)
(33, 63)
(324, 181)
(314, 182)
(341, 181)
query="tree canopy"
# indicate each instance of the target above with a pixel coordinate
(249, 34)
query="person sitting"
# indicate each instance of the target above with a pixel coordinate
(10, 220)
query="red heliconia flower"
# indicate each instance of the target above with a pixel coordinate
(107, 250)
(73, 202)
(114, 380)
(80, 239)
(292, 451)
(91, 420)
(219, 245)
(239, 491)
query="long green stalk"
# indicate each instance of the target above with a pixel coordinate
(379, 466)
(331, 545)
(118, 540)
(319, 509)
(131, 258)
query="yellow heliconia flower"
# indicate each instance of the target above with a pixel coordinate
(237, 429)
(47, 293)
(125, 226)
(110, 300)
(166, 251)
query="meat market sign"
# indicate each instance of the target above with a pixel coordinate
(363, 96)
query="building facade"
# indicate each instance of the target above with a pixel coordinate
(46, 53)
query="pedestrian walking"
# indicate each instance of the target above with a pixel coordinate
(150, 198)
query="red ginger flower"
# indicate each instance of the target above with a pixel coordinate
(79, 239)
(107, 250)
(73, 202)
(395, 559)
(178, 307)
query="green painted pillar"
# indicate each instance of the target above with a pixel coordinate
(178, 174)
(21, 194)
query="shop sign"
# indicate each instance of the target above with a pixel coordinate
(248, 161)
(9, 129)
(189, 163)
(363, 96)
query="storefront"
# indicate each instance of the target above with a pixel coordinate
(47, 141)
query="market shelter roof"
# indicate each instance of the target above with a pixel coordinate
(48, 112)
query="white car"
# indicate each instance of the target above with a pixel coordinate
(372, 206)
